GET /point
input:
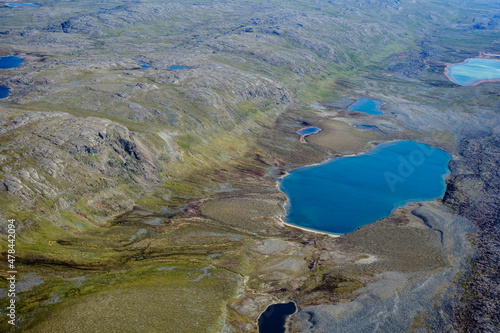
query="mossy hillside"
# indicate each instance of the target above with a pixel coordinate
(156, 291)
(343, 138)
(246, 213)
(114, 257)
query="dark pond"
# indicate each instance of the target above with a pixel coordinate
(4, 92)
(273, 319)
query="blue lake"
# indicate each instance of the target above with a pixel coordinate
(175, 67)
(366, 105)
(273, 319)
(343, 194)
(308, 130)
(10, 62)
(21, 5)
(4, 92)
(473, 71)
(143, 64)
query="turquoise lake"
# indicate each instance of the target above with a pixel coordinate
(366, 105)
(4, 92)
(175, 67)
(21, 5)
(10, 62)
(343, 194)
(473, 71)
(309, 130)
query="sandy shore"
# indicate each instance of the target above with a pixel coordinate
(281, 217)
(282, 222)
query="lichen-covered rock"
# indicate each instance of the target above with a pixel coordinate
(474, 191)
(53, 155)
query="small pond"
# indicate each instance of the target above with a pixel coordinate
(366, 105)
(10, 62)
(273, 319)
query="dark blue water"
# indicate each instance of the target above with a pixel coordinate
(345, 193)
(10, 62)
(473, 71)
(21, 5)
(273, 319)
(175, 67)
(366, 105)
(309, 130)
(143, 64)
(4, 91)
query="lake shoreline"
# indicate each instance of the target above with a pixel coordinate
(302, 138)
(285, 317)
(281, 218)
(361, 105)
(388, 186)
(451, 78)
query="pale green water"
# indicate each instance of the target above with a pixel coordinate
(473, 71)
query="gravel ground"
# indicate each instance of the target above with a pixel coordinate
(398, 301)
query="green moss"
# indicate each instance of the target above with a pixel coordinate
(145, 290)
(188, 140)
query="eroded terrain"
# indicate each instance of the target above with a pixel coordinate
(146, 198)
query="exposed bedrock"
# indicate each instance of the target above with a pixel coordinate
(473, 191)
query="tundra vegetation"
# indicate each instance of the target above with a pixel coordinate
(146, 200)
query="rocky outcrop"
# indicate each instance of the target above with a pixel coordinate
(56, 156)
(474, 191)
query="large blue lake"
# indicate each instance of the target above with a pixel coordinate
(10, 62)
(366, 105)
(4, 92)
(343, 194)
(473, 71)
